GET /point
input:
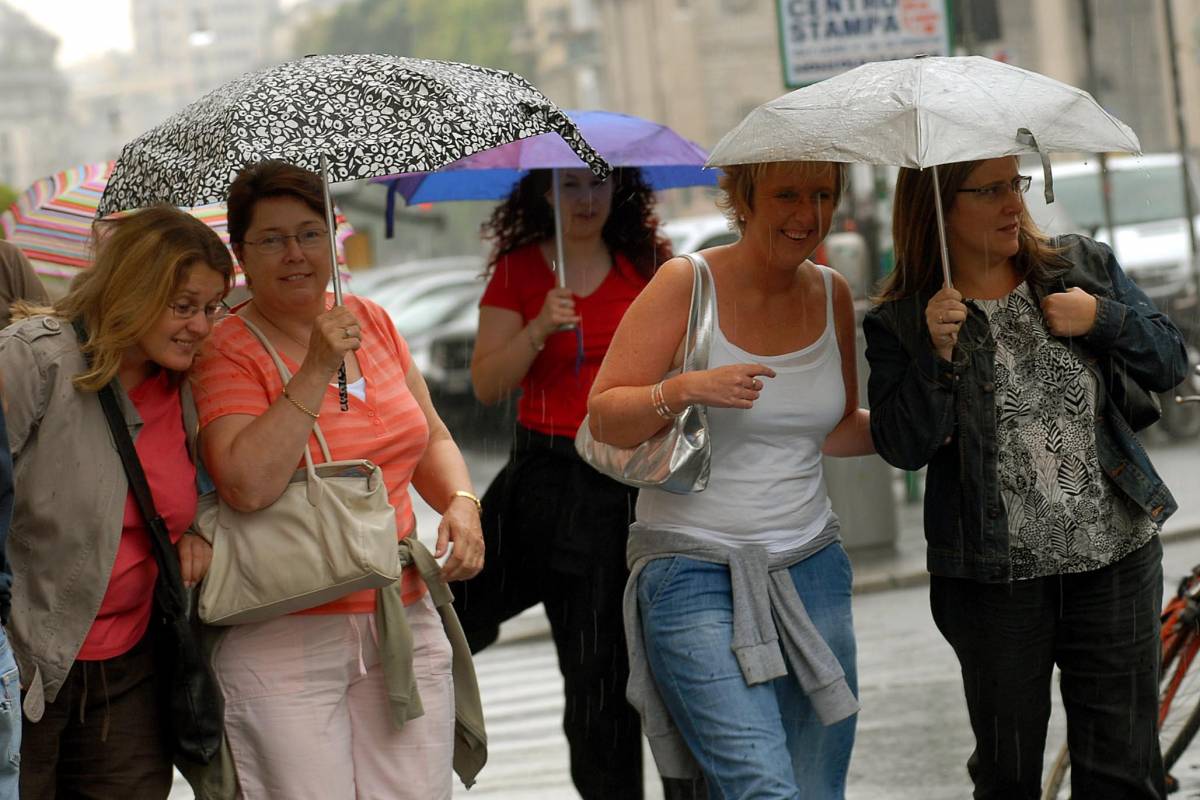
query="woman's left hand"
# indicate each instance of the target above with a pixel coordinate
(195, 556)
(460, 525)
(1069, 313)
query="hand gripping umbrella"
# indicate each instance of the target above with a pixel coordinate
(344, 116)
(925, 111)
(666, 160)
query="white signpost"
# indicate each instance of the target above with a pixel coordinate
(822, 38)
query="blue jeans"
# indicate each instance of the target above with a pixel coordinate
(10, 721)
(762, 741)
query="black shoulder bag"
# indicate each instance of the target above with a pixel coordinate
(191, 695)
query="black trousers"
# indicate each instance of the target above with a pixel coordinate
(102, 737)
(555, 533)
(1102, 630)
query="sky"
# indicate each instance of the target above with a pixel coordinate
(84, 28)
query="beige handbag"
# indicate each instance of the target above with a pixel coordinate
(330, 533)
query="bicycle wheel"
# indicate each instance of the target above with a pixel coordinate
(1179, 698)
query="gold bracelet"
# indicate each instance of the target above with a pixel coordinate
(472, 498)
(299, 405)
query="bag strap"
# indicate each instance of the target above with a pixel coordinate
(701, 316)
(286, 375)
(156, 526)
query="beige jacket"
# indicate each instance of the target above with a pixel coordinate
(69, 505)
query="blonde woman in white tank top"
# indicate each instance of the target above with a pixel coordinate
(782, 391)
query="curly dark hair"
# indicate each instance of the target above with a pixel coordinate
(631, 229)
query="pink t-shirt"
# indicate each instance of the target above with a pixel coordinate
(234, 375)
(161, 446)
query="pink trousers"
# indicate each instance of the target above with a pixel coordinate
(306, 709)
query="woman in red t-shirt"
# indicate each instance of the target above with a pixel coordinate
(563, 524)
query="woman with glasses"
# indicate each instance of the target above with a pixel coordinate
(82, 566)
(306, 695)
(1019, 388)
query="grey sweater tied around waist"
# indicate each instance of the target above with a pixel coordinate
(767, 610)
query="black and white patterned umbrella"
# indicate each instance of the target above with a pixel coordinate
(369, 115)
(344, 116)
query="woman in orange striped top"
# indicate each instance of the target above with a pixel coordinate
(306, 704)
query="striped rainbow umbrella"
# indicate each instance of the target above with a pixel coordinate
(52, 221)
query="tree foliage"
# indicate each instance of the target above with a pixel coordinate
(475, 31)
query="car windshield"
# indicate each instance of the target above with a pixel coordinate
(1139, 195)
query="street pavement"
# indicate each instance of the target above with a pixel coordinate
(913, 736)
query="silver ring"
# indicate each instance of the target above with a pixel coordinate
(345, 333)
(941, 319)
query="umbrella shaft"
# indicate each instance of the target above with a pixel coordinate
(941, 226)
(560, 268)
(332, 228)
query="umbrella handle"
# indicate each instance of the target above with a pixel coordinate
(343, 392)
(941, 226)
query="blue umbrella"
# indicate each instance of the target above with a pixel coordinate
(666, 159)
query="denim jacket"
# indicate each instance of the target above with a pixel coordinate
(928, 411)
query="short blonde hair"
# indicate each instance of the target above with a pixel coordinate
(141, 261)
(737, 183)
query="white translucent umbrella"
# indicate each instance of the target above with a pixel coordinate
(925, 111)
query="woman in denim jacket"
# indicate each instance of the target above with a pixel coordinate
(1017, 387)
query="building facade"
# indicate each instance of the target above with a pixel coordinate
(34, 102)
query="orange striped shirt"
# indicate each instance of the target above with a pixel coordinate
(234, 375)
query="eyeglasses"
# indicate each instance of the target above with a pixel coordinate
(187, 309)
(274, 243)
(994, 191)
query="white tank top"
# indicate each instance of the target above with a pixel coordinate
(766, 486)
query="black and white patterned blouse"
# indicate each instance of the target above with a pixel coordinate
(1063, 514)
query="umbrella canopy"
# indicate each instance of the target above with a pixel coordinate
(368, 115)
(667, 160)
(52, 220)
(920, 112)
(925, 111)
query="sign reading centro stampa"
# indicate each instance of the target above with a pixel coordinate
(822, 38)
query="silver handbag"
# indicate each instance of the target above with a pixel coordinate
(676, 459)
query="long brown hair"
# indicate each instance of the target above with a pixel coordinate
(631, 229)
(915, 235)
(142, 259)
